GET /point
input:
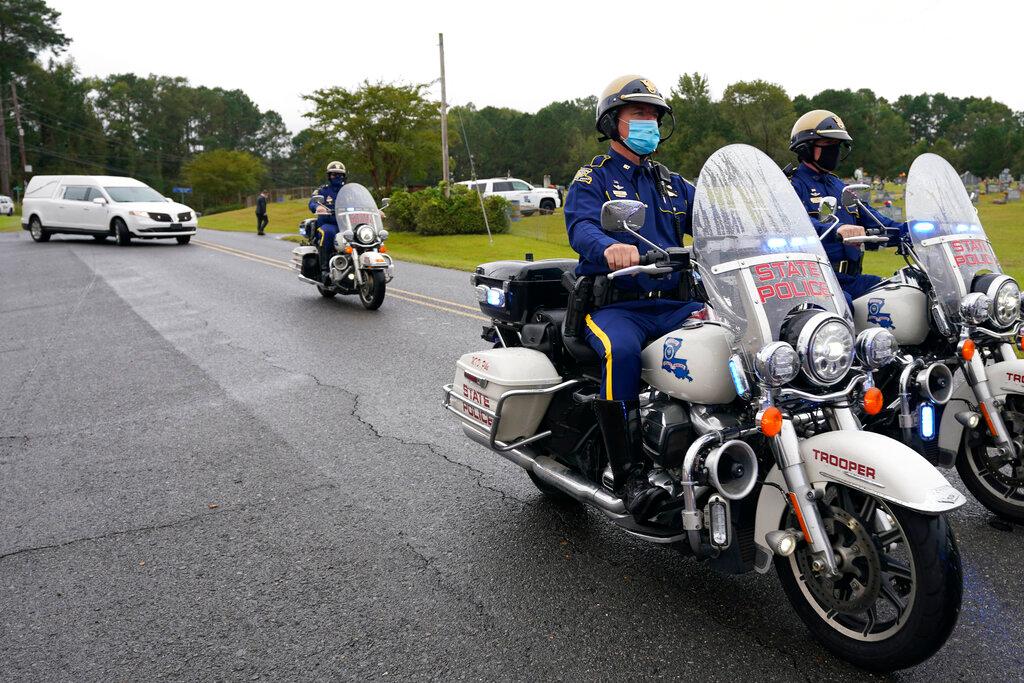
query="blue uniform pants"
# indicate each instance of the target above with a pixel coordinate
(619, 332)
(325, 236)
(856, 286)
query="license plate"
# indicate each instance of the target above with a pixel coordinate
(176, 226)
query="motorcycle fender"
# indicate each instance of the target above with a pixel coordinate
(864, 461)
(370, 260)
(1004, 377)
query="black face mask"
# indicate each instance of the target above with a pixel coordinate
(829, 158)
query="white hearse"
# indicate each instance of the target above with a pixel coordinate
(103, 206)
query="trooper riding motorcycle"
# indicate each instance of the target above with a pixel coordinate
(326, 219)
(821, 141)
(630, 113)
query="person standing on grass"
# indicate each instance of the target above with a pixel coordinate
(261, 212)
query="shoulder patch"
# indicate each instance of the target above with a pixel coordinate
(583, 176)
(599, 160)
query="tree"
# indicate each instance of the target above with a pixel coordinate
(700, 126)
(27, 27)
(222, 176)
(391, 131)
(761, 114)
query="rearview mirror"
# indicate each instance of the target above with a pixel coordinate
(619, 211)
(385, 202)
(99, 200)
(851, 195)
(318, 198)
(826, 208)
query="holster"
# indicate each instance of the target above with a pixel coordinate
(581, 295)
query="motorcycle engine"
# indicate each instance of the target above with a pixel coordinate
(667, 432)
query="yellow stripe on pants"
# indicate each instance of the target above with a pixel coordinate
(599, 333)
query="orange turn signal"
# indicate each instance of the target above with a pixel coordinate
(873, 401)
(383, 249)
(967, 349)
(347, 250)
(771, 421)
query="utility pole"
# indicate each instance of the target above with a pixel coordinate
(5, 160)
(444, 122)
(21, 134)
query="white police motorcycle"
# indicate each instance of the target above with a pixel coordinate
(359, 264)
(957, 395)
(747, 420)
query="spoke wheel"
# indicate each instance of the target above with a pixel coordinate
(897, 594)
(371, 292)
(995, 479)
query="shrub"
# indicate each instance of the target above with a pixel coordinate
(428, 212)
(221, 209)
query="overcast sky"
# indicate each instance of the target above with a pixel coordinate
(528, 54)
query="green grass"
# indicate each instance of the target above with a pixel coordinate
(1003, 224)
(10, 223)
(545, 237)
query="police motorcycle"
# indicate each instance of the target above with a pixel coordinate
(957, 395)
(747, 419)
(360, 264)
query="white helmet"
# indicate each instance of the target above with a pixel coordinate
(336, 167)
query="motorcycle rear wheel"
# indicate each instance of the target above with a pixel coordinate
(898, 596)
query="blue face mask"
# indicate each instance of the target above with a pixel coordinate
(643, 137)
(335, 181)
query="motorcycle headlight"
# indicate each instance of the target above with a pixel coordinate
(366, 234)
(777, 364)
(975, 308)
(825, 345)
(1005, 294)
(876, 347)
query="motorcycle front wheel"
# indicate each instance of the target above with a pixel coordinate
(371, 292)
(996, 481)
(897, 596)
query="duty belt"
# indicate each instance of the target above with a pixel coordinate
(620, 295)
(847, 267)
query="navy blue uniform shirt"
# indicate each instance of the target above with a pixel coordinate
(811, 187)
(613, 176)
(329, 194)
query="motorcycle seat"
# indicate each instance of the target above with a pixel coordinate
(578, 348)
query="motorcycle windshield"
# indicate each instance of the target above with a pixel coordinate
(757, 252)
(355, 206)
(948, 239)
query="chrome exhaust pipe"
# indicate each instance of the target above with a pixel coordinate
(550, 471)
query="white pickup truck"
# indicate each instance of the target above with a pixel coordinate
(530, 198)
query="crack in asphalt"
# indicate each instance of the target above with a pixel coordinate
(377, 433)
(242, 507)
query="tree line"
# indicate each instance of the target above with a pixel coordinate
(166, 131)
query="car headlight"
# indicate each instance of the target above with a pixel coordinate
(876, 347)
(975, 308)
(776, 364)
(825, 343)
(366, 234)
(140, 214)
(1004, 292)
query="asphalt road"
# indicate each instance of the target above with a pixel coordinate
(207, 471)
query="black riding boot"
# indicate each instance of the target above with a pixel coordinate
(620, 427)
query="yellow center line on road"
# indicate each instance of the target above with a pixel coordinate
(395, 292)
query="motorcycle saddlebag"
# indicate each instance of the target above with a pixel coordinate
(482, 377)
(306, 260)
(512, 290)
